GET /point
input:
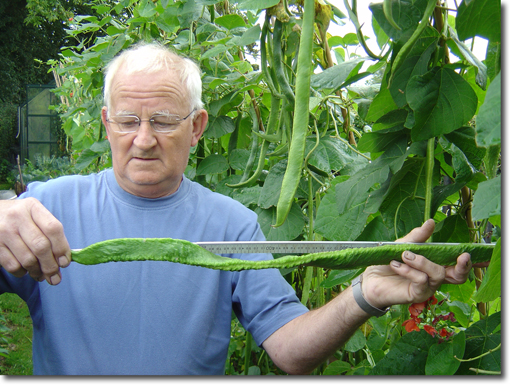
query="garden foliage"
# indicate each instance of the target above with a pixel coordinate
(391, 138)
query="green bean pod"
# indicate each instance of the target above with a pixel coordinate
(185, 252)
(301, 114)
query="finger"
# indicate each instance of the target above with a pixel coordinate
(10, 263)
(458, 274)
(420, 234)
(54, 232)
(435, 273)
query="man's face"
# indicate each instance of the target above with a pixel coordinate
(147, 163)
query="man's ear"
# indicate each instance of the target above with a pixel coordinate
(198, 126)
(104, 120)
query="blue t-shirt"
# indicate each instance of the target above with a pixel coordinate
(146, 317)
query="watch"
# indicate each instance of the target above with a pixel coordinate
(364, 305)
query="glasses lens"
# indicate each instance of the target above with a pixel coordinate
(165, 123)
(127, 124)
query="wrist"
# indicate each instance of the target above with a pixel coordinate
(362, 302)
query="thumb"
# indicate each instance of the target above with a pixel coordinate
(420, 234)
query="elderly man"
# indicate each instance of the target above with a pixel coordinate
(160, 317)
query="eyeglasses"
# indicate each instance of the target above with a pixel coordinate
(161, 123)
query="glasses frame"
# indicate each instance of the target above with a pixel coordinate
(151, 121)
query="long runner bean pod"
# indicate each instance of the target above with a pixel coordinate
(301, 113)
(185, 252)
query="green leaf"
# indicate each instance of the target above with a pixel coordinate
(256, 4)
(403, 207)
(464, 139)
(338, 277)
(487, 199)
(213, 164)
(219, 126)
(337, 367)
(416, 63)
(488, 120)
(230, 21)
(481, 74)
(441, 361)
(272, 185)
(250, 36)
(406, 357)
(378, 141)
(247, 196)
(348, 225)
(331, 154)
(291, 228)
(382, 104)
(453, 229)
(442, 102)
(459, 292)
(479, 18)
(405, 14)
(356, 342)
(239, 158)
(334, 77)
(490, 288)
(216, 50)
(376, 230)
(482, 339)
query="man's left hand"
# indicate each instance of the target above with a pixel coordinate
(416, 278)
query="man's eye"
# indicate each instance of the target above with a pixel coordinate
(128, 123)
(162, 123)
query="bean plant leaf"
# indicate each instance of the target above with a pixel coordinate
(403, 207)
(442, 102)
(488, 120)
(337, 367)
(453, 229)
(349, 224)
(331, 154)
(487, 199)
(247, 196)
(334, 77)
(356, 342)
(481, 73)
(290, 229)
(406, 357)
(405, 14)
(482, 338)
(464, 139)
(459, 292)
(213, 164)
(441, 361)
(272, 185)
(479, 18)
(256, 4)
(219, 126)
(490, 288)
(230, 21)
(239, 158)
(415, 64)
(382, 104)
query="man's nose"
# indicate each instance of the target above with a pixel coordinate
(146, 136)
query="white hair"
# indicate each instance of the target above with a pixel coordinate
(154, 57)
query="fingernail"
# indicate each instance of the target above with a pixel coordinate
(409, 256)
(55, 279)
(395, 264)
(469, 261)
(63, 261)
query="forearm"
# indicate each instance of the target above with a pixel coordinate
(305, 342)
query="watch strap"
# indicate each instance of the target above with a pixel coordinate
(360, 299)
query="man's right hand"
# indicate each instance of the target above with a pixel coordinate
(32, 240)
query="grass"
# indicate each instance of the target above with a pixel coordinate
(18, 337)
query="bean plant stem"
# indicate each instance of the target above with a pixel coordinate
(430, 165)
